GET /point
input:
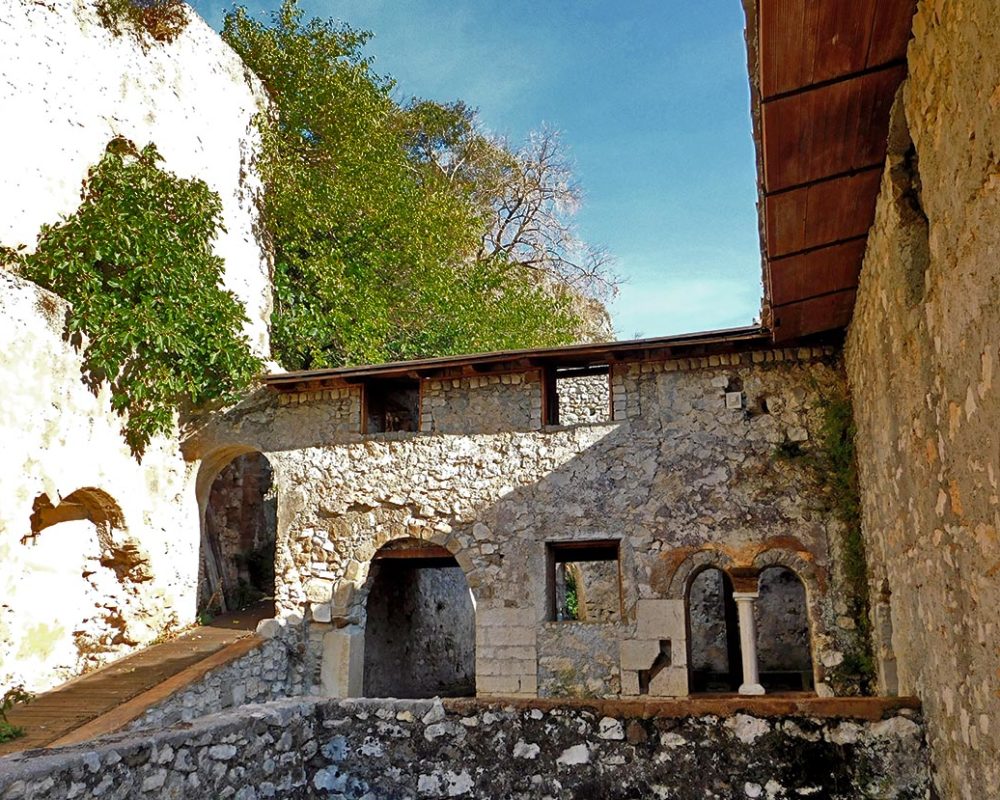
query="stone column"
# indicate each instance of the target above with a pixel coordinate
(748, 642)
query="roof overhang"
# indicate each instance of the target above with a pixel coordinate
(823, 77)
(705, 344)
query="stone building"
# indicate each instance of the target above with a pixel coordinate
(632, 520)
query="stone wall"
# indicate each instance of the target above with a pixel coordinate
(678, 479)
(257, 677)
(72, 86)
(404, 749)
(922, 359)
(584, 399)
(486, 404)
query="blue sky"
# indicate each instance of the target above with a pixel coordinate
(652, 99)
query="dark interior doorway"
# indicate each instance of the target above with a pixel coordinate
(714, 659)
(420, 636)
(784, 652)
(238, 545)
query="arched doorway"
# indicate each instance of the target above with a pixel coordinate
(236, 571)
(420, 634)
(784, 651)
(714, 661)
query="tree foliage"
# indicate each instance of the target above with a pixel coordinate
(136, 264)
(379, 251)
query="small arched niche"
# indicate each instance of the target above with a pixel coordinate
(77, 603)
(236, 570)
(714, 656)
(420, 634)
(784, 652)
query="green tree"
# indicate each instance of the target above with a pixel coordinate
(136, 264)
(373, 260)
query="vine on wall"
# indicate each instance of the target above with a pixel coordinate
(160, 20)
(135, 262)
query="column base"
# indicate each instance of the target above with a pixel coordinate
(751, 689)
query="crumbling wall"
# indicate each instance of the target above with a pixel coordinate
(922, 360)
(678, 479)
(419, 748)
(259, 676)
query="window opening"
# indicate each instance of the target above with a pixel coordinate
(392, 405)
(577, 395)
(584, 582)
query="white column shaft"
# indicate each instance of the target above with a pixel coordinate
(748, 642)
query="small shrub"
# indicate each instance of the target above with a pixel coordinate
(161, 20)
(16, 694)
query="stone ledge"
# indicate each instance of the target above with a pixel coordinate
(870, 709)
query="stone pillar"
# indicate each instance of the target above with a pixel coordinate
(343, 668)
(748, 642)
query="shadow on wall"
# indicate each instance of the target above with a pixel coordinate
(420, 636)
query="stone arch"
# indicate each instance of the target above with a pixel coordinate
(82, 599)
(238, 518)
(694, 563)
(419, 622)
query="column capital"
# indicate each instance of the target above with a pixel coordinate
(745, 595)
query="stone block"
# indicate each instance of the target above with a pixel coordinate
(669, 682)
(638, 654)
(660, 619)
(342, 668)
(630, 683)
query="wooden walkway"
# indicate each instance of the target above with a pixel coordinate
(114, 695)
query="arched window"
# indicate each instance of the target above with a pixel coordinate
(238, 546)
(714, 663)
(784, 654)
(420, 634)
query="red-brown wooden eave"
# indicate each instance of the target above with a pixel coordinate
(824, 74)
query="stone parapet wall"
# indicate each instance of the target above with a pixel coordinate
(584, 399)
(404, 749)
(259, 676)
(922, 360)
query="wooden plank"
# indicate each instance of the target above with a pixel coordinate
(817, 314)
(816, 272)
(828, 131)
(427, 551)
(892, 28)
(823, 213)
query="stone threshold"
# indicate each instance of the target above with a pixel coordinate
(871, 709)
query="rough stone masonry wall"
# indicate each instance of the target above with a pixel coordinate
(923, 360)
(408, 749)
(680, 480)
(259, 676)
(67, 86)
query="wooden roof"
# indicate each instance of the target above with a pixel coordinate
(823, 76)
(707, 343)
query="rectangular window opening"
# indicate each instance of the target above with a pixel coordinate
(584, 581)
(392, 405)
(578, 395)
